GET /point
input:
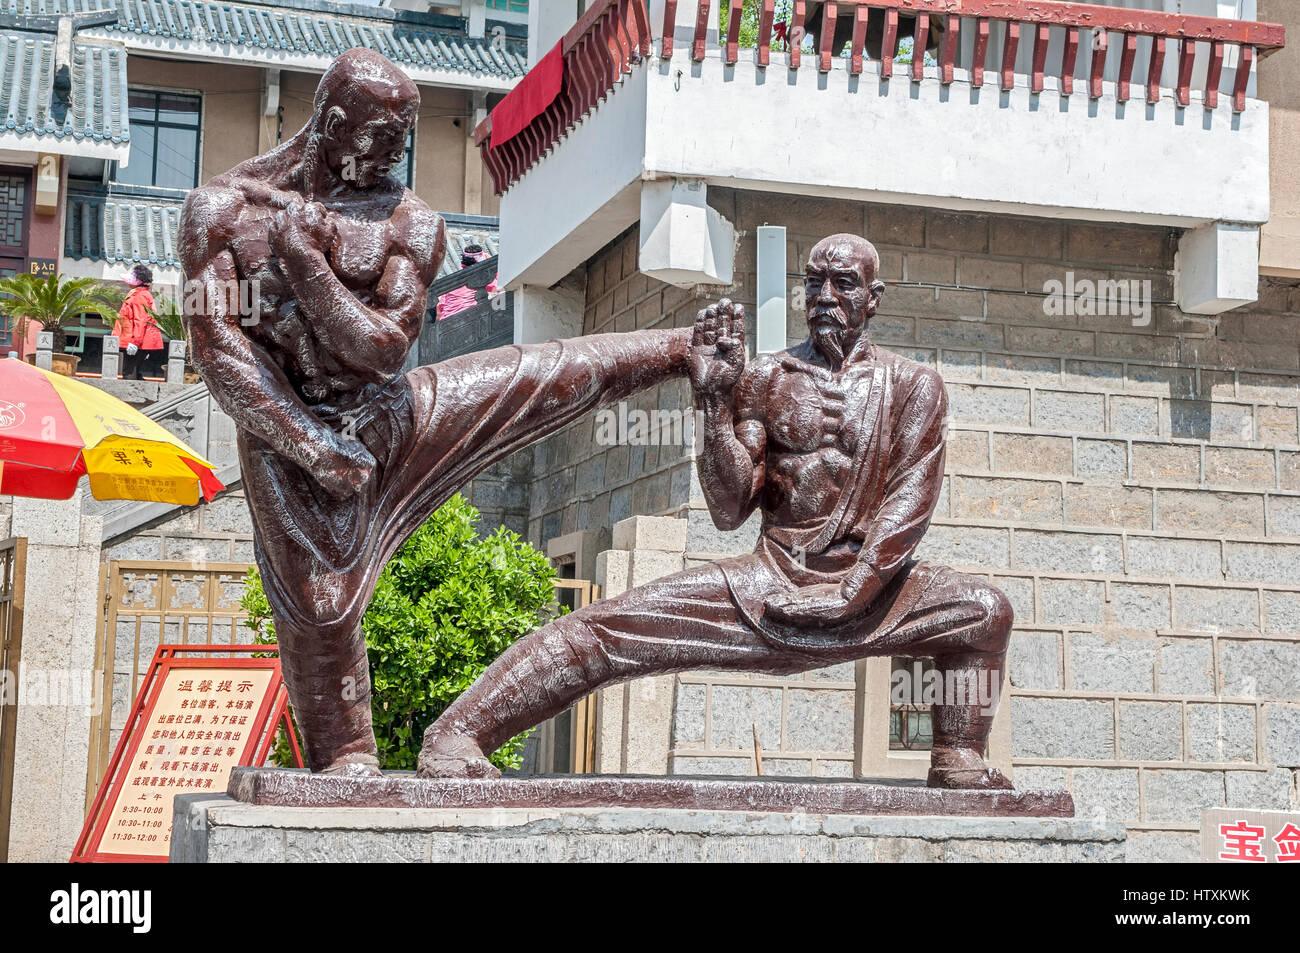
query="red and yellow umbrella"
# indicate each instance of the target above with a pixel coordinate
(54, 430)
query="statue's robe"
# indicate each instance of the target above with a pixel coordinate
(898, 410)
(715, 616)
(430, 431)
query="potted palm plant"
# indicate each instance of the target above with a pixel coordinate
(55, 302)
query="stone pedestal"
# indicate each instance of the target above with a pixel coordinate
(285, 816)
(223, 830)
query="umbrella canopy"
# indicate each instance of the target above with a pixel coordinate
(54, 430)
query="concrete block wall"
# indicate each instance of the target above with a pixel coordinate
(500, 493)
(216, 532)
(1131, 482)
(579, 485)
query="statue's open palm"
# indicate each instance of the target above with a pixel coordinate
(718, 349)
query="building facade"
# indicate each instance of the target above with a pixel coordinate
(117, 110)
(1094, 245)
(1105, 279)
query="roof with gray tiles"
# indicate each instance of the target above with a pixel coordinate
(465, 230)
(141, 225)
(306, 28)
(135, 226)
(95, 106)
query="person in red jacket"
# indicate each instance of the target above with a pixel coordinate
(138, 334)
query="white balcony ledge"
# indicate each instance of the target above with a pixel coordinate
(804, 132)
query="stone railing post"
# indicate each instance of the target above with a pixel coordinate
(634, 721)
(111, 367)
(45, 350)
(175, 362)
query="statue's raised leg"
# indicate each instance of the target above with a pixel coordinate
(430, 433)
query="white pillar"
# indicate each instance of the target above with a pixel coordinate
(771, 289)
(175, 362)
(45, 350)
(548, 20)
(110, 367)
(475, 14)
(58, 691)
(542, 314)
(634, 721)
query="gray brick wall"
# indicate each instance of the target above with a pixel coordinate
(581, 486)
(1134, 488)
(216, 532)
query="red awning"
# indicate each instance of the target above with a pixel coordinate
(529, 99)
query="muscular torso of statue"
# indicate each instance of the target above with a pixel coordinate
(367, 235)
(809, 450)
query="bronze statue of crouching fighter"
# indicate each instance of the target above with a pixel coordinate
(840, 445)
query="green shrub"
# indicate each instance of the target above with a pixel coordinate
(447, 604)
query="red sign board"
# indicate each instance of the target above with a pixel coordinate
(199, 713)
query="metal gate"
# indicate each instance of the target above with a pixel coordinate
(146, 602)
(13, 575)
(188, 603)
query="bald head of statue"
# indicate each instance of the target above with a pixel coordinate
(841, 293)
(365, 108)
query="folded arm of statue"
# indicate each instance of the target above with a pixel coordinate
(251, 386)
(371, 340)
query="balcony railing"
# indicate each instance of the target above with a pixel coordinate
(488, 323)
(597, 51)
(1034, 22)
(1090, 46)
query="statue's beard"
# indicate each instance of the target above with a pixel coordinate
(829, 342)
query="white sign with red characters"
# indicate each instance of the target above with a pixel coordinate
(1232, 836)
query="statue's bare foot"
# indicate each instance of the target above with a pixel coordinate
(345, 768)
(964, 768)
(453, 756)
(988, 779)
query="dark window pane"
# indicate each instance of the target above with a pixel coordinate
(13, 211)
(404, 171)
(178, 109)
(161, 154)
(143, 105)
(909, 722)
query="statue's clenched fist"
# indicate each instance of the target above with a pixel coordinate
(343, 467)
(718, 349)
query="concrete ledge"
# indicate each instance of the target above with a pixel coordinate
(223, 830)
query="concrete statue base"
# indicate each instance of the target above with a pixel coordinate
(285, 816)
